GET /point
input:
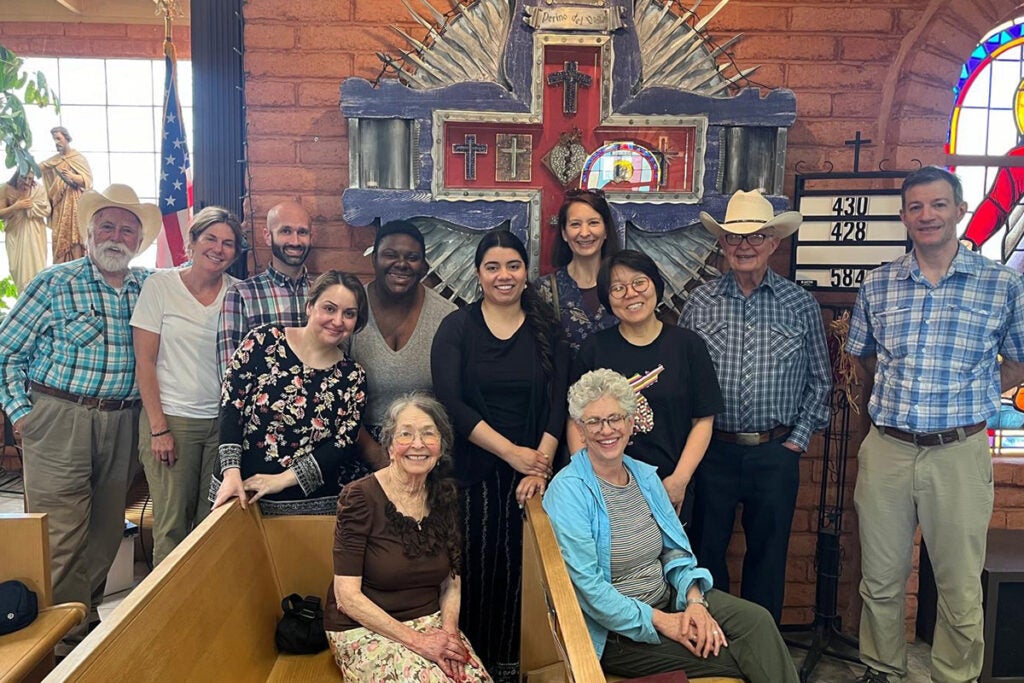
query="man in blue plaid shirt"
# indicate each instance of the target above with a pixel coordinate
(67, 383)
(928, 328)
(767, 341)
(277, 295)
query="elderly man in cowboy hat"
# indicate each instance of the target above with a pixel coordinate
(766, 339)
(67, 383)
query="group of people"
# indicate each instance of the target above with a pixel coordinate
(27, 203)
(424, 427)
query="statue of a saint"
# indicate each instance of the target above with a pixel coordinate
(24, 208)
(67, 175)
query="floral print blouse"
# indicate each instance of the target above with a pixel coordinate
(577, 321)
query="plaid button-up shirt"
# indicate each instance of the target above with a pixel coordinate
(270, 297)
(70, 330)
(936, 345)
(769, 353)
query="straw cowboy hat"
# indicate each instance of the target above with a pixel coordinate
(122, 197)
(749, 212)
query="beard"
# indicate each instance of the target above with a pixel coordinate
(109, 256)
(288, 259)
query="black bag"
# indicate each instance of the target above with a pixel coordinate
(301, 629)
(18, 606)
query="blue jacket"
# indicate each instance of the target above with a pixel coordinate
(580, 519)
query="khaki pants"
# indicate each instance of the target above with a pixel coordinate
(77, 462)
(948, 491)
(179, 491)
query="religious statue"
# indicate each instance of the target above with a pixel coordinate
(24, 208)
(67, 175)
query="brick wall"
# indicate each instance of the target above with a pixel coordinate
(56, 39)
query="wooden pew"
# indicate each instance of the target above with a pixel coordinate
(27, 655)
(208, 612)
(556, 646)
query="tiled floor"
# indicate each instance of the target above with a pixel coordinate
(828, 670)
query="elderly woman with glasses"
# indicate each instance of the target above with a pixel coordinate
(586, 234)
(648, 607)
(394, 605)
(668, 366)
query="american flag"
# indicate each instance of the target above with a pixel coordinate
(175, 173)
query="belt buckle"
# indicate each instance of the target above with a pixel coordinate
(748, 438)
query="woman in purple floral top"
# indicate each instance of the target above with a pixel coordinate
(291, 406)
(587, 234)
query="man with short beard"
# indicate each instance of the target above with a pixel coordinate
(67, 383)
(67, 175)
(277, 295)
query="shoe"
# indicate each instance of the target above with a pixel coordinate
(872, 676)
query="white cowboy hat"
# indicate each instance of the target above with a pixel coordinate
(749, 212)
(123, 197)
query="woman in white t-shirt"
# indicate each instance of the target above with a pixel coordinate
(175, 333)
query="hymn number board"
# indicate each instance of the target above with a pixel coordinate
(848, 229)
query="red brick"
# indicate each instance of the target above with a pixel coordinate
(795, 48)
(299, 121)
(814, 17)
(321, 260)
(797, 615)
(854, 105)
(127, 48)
(813, 105)
(319, 64)
(745, 18)
(801, 520)
(270, 93)
(768, 75)
(378, 12)
(800, 594)
(319, 11)
(862, 49)
(95, 30)
(33, 28)
(350, 38)
(907, 20)
(1004, 470)
(1015, 519)
(324, 93)
(269, 36)
(324, 152)
(270, 151)
(154, 32)
(1007, 497)
(368, 66)
(998, 520)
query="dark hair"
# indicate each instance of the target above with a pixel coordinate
(931, 174)
(13, 182)
(62, 130)
(545, 327)
(596, 201)
(634, 260)
(398, 228)
(349, 282)
(210, 216)
(442, 493)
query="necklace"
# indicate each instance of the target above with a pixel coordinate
(408, 502)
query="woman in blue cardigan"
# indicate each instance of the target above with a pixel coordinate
(648, 607)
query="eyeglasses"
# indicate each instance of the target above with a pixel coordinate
(569, 194)
(595, 425)
(406, 437)
(755, 239)
(618, 290)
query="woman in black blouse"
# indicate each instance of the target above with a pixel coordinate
(291, 405)
(500, 367)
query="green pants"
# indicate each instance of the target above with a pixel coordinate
(179, 491)
(756, 651)
(948, 491)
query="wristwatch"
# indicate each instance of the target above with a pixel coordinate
(698, 601)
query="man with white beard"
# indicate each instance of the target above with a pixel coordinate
(67, 383)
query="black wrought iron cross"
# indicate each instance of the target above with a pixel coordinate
(857, 142)
(571, 79)
(470, 149)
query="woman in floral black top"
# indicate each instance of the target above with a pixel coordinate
(291, 405)
(586, 234)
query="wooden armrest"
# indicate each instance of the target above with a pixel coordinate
(22, 651)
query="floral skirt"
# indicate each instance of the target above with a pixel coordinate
(364, 655)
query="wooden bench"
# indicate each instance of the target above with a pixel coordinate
(209, 610)
(27, 655)
(556, 646)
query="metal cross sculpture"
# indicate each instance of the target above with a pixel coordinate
(571, 81)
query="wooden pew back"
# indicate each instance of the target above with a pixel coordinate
(26, 553)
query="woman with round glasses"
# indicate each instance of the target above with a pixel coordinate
(668, 366)
(586, 234)
(649, 608)
(394, 603)
(500, 367)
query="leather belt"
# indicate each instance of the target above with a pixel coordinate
(752, 438)
(933, 438)
(104, 404)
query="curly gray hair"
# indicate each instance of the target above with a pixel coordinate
(597, 383)
(429, 405)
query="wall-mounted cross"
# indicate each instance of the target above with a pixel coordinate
(857, 142)
(571, 79)
(470, 149)
(514, 150)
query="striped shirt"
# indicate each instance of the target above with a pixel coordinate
(636, 544)
(936, 345)
(268, 298)
(769, 353)
(70, 330)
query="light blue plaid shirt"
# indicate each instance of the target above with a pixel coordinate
(769, 353)
(70, 330)
(936, 345)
